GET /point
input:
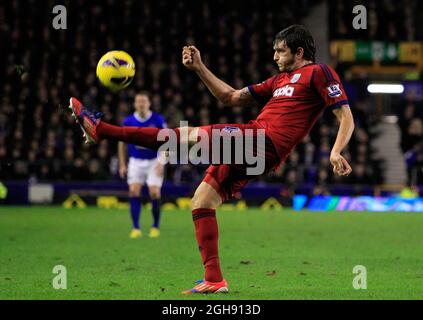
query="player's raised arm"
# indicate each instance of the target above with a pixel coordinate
(191, 58)
(346, 128)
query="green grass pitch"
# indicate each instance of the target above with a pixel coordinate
(264, 254)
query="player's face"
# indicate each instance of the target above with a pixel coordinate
(283, 57)
(142, 103)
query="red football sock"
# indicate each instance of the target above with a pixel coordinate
(207, 234)
(144, 137)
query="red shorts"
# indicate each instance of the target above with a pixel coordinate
(229, 179)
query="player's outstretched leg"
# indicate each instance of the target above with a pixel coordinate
(204, 204)
(205, 201)
(95, 129)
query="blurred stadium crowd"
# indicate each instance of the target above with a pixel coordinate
(44, 67)
(411, 124)
(387, 20)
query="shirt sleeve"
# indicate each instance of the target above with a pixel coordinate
(125, 122)
(262, 92)
(161, 123)
(327, 83)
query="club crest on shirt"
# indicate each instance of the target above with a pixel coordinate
(231, 129)
(295, 77)
(334, 91)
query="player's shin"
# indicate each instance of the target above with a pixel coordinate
(156, 212)
(144, 137)
(206, 231)
(135, 209)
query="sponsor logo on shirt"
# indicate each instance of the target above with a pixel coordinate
(284, 91)
(334, 91)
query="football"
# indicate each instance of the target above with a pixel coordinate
(115, 70)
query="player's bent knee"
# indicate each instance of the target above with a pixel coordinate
(134, 191)
(154, 193)
(155, 196)
(205, 197)
(203, 202)
(196, 201)
(134, 194)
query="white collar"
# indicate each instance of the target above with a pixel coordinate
(140, 119)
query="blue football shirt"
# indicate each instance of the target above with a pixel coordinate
(154, 121)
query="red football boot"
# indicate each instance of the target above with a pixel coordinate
(204, 286)
(88, 120)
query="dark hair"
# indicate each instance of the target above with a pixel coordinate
(143, 93)
(297, 36)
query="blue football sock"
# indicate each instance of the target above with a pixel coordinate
(135, 204)
(156, 212)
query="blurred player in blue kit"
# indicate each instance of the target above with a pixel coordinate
(143, 166)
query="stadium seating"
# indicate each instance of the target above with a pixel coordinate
(38, 140)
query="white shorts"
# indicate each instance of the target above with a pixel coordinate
(142, 171)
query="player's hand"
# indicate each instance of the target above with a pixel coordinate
(341, 167)
(122, 171)
(159, 169)
(191, 58)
